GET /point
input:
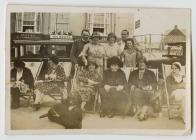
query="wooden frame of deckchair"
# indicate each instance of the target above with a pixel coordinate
(166, 91)
(31, 92)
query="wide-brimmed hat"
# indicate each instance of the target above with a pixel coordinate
(110, 35)
(19, 64)
(114, 61)
(96, 34)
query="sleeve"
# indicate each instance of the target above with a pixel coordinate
(98, 78)
(122, 79)
(104, 81)
(73, 53)
(122, 56)
(60, 74)
(81, 77)
(119, 51)
(30, 79)
(153, 80)
(131, 80)
(85, 50)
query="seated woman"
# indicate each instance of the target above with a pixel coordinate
(22, 80)
(142, 83)
(130, 54)
(87, 80)
(176, 86)
(54, 83)
(113, 90)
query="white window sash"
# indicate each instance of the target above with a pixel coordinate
(22, 23)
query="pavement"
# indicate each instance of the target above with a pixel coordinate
(26, 118)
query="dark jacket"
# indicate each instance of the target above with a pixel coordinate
(76, 49)
(149, 78)
(27, 76)
(114, 78)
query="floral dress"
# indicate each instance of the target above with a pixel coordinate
(53, 86)
(94, 52)
(83, 89)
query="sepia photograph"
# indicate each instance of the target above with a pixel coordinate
(98, 70)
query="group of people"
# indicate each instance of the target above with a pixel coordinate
(116, 92)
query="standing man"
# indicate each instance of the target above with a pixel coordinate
(76, 49)
(124, 36)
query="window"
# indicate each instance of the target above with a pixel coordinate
(99, 22)
(28, 22)
(62, 22)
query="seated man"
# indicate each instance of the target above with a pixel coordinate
(87, 79)
(142, 83)
(22, 80)
(113, 91)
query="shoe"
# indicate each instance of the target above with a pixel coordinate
(111, 115)
(37, 106)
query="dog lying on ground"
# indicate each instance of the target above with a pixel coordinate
(145, 113)
(68, 114)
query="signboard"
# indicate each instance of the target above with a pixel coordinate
(60, 37)
(176, 51)
(137, 24)
(29, 36)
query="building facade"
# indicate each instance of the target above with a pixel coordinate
(48, 23)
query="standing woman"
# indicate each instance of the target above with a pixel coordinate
(54, 83)
(94, 51)
(130, 53)
(112, 48)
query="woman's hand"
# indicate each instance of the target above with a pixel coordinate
(52, 77)
(107, 88)
(148, 87)
(132, 88)
(91, 82)
(119, 88)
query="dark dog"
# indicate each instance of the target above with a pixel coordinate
(68, 114)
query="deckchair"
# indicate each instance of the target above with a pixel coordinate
(166, 69)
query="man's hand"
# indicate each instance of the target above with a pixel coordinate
(132, 88)
(148, 87)
(119, 88)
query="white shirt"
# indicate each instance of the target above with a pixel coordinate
(122, 45)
